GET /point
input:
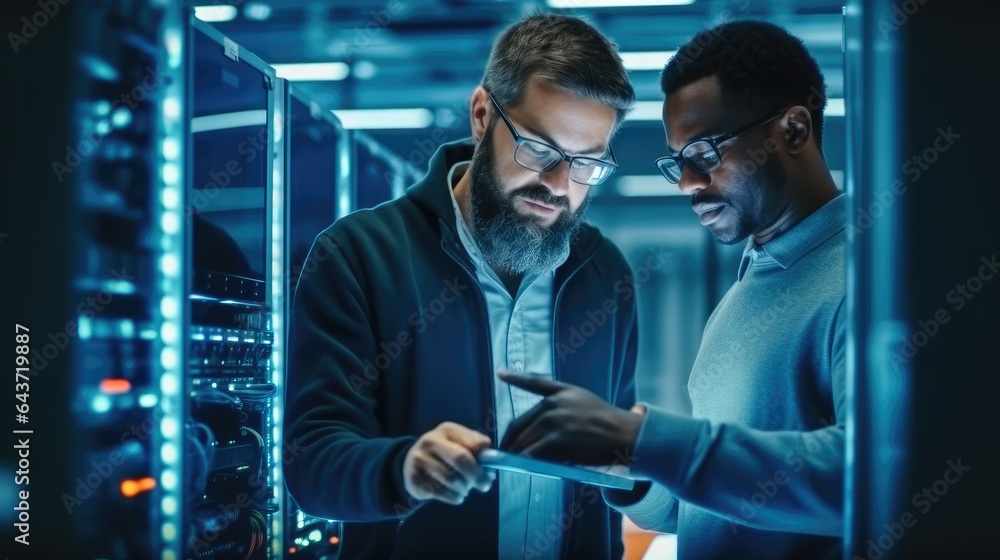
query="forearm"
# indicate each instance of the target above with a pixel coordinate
(338, 465)
(338, 462)
(343, 477)
(785, 481)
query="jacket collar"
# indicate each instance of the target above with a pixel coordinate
(430, 194)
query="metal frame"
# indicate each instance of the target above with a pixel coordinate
(173, 284)
(875, 287)
(278, 247)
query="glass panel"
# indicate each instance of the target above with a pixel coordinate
(375, 175)
(313, 152)
(229, 166)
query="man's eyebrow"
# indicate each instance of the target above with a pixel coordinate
(595, 151)
(707, 133)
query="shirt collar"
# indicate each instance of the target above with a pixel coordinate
(795, 243)
(464, 233)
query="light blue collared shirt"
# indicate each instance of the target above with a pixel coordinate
(521, 334)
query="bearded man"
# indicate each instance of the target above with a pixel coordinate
(414, 306)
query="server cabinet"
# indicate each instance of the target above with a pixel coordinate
(233, 372)
(922, 288)
(380, 175)
(318, 179)
(96, 240)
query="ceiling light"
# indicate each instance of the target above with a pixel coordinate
(364, 70)
(213, 14)
(835, 107)
(646, 185)
(313, 71)
(369, 119)
(653, 60)
(257, 11)
(646, 111)
(238, 119)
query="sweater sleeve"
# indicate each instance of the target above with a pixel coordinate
(341, 466)
(650, 506)
(790, 481)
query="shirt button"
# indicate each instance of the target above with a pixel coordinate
(538, 497)
(518, 365)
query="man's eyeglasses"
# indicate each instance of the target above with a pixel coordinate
(703, 155)
(541, 157)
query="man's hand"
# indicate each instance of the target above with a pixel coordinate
(570, 424)
(442, 464)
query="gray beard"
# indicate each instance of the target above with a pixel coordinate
(510, 242)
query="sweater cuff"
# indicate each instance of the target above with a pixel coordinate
(665, 445)
(654, 512)
(624, 498)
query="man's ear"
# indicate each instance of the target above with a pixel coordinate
(479, 113)
(797, 128)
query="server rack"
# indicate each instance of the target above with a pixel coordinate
(235, 298)
(318, 175)
(380, 174)
(172, 372)
(115, 221)
(318, 179)
(923, 231)
(236, 328)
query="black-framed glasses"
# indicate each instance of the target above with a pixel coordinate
(703, 155)
(541, 157)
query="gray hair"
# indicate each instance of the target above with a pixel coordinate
(566, 51)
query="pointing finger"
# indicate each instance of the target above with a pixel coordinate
(533, 383)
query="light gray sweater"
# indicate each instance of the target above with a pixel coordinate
(757, 471)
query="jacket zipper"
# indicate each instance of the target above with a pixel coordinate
(489, 339)
(555, 376)
(489, 346)
(555, 312)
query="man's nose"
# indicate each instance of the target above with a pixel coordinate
(557, 179)
(691, 181)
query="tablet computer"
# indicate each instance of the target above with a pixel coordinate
(501, 460)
